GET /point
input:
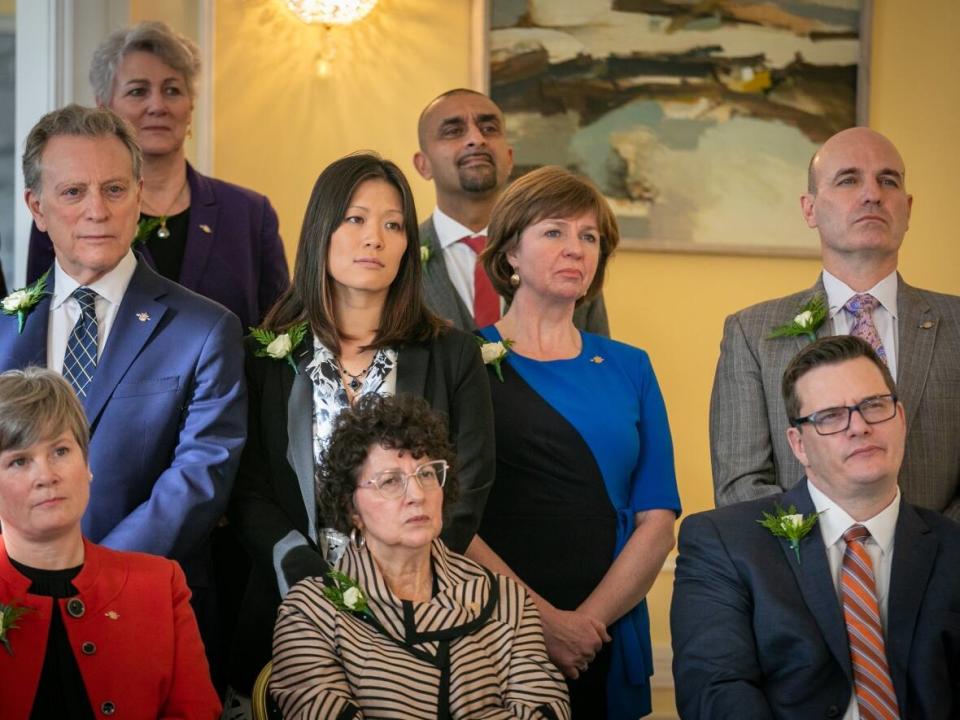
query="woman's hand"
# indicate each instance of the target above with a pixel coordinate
(573, 638)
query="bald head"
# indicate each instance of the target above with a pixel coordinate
(424, 122)
(845, 143)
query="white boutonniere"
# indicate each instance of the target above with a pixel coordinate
(9, 614)
(789, 524)
(494, 353)
(144, 228)
(21, 302)
(280, 347)
(344, 592)
(425, 254)
(810, 316)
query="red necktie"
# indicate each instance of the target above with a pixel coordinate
(486, 302)
(868, 656)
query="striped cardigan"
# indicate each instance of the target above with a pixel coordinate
(476, 650)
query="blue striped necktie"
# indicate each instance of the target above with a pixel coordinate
(80, 360)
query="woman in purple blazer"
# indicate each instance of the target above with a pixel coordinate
(217, 239)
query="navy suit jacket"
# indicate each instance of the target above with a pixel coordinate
(233, 253)
(757, 634)
(167, 412)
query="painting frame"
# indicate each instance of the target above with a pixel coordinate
(481, 12)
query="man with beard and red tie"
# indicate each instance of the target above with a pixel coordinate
(464, 151)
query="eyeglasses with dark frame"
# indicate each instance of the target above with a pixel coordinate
(392, 484)
(873, 410)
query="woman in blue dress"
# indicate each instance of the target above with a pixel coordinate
(585, 498)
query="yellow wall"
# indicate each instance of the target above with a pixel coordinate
(278, 124)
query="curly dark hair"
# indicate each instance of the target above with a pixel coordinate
(404, 422)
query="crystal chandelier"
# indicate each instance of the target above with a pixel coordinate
(331, 12)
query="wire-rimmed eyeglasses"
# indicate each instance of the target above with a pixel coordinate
(873, 410)
(392, 484)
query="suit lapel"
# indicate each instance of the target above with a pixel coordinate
(202, 230)
(441, 294)
(917, 333)
(300, 430)
(816, 582)
(915, 551)
(138, 317)
(412, 361)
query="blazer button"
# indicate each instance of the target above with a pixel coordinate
(88, 648)
(108, 708)
(833, 711)
(75, 608)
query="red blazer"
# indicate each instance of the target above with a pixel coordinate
(135, 640)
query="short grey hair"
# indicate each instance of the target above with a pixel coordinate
(79, 121)
(152, 36)
(37, 404)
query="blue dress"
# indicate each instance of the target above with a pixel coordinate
(582, 446)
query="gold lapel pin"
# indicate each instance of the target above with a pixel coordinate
(143, 317)
(596, 359)
(206, 228)
(926, 324)
(112, 614)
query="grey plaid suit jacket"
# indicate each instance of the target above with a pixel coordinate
(749, 452)
(443, 299)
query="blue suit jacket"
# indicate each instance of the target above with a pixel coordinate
(758, 635)
(168, 415)
(233, 253)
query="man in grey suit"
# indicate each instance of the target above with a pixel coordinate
(464, 151)
(857, 201)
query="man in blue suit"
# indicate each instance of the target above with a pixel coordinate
(846, 602)
(159, 369)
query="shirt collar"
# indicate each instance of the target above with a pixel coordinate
(835, 521)
(449, 230)
(110, 287)
(838, 293)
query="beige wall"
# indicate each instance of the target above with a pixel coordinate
(278, 124)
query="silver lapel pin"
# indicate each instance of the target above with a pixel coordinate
(143, 317)
(206, 228)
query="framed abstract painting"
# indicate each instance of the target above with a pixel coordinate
(696, 119)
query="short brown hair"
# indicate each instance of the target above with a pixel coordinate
(80, 121)
(38, 404)
(547, 192)
(827, 351)
(404, 422)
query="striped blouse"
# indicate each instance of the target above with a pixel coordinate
(476, 650)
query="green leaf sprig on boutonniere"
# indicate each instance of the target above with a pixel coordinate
(808, 319)
(9, 614)
(22, 302)
(494, 353)
(280, 347)
(144, 228)
(425, 254)
(789, 524)
(345, 593)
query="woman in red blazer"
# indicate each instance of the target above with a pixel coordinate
(85, 632)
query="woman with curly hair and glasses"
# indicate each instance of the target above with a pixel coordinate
(404, 627)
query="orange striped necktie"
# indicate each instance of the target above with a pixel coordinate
(871, 674)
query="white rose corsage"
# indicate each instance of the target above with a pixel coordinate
(494, 353)
(789, 524)
(21, 302)
(810, 316)
(280, 347)
(344, 592)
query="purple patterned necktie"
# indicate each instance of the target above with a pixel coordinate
(861, 307)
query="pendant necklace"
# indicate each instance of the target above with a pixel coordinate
(162, 232)
(355, 382)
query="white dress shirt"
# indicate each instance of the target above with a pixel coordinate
(833, 523)
(65, 310)
(459, 257)
(884, 316)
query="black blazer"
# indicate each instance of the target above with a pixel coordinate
(757, 634)
(273, 509)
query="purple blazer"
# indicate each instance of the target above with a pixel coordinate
(233, 252)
